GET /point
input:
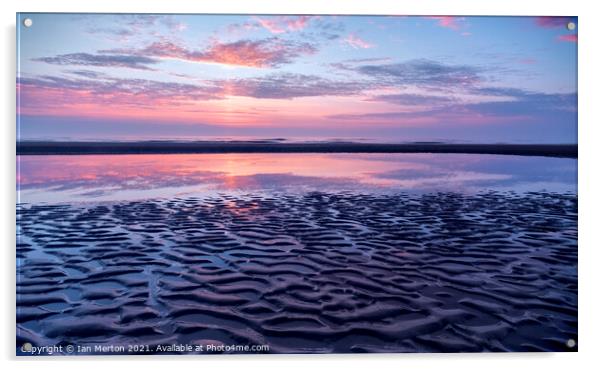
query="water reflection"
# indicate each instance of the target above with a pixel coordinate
(127, 177)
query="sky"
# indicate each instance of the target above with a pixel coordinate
(377, 78)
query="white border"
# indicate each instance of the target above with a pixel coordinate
(590, 254)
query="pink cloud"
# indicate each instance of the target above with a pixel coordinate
(527, 61)
(238, 29)
(281, 24)
(89, 94)
(271, 25)
(258, 53)
(553, 22)
(357, 43)
(568, 38)
(86, 96)
(298, 23)
(447, 21)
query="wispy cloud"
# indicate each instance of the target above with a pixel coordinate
(558, 22)
(524, 103)
(97, 88)
(125, 27)
(105, 60)
(100, 89)
(282, 24)
(86, 90)
(292, 85)
(116, 33)
(447, 21)
(356, 42)
(568, 38)
(419, 83)
(139, 22)
(422, 72)
(88, 74)
(518, 106)
(52, 92)
(407, 99)
(270, 52)
(527, 61)
(554, 22)
(365, 60)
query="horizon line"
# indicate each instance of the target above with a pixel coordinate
(265, 146)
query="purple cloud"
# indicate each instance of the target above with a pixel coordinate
(422, 72)
(290, 85)
(413, 99)
(356, 42)
(448, 21)
(521, 105)
(141, 92)
(92, 60)
(554, 22)
(55, 91)
(568, 38)
(282, 24)
(270, 52)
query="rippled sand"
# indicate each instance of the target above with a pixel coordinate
(317, 273)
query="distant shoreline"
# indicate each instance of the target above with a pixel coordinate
(209, 147)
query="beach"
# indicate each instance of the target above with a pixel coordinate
(314, 273)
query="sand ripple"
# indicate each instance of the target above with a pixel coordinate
(304, 273)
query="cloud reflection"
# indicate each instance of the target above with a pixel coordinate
(127, 177)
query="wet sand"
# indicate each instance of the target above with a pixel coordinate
(205, 147)
(313, 273)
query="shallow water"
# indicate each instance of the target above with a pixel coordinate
(53, 179)
(301, 252)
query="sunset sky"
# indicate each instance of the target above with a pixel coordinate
(384, 78)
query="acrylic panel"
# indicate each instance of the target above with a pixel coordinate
(262, 184)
